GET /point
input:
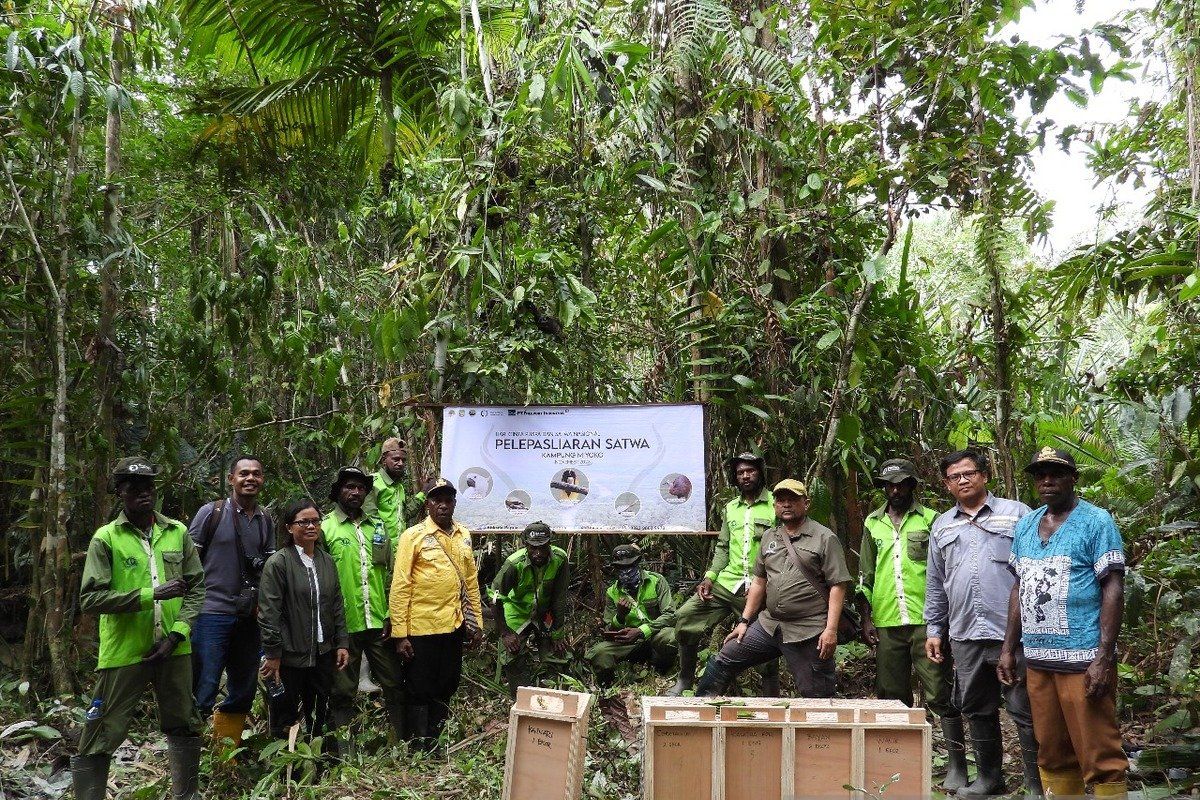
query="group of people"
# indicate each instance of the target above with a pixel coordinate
(988, 603)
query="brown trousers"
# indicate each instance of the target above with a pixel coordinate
(1075, 733)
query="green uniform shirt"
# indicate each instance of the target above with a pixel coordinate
(893, 563)
(793, 604)
(387, 501)
(362, 551)
(118, 584)
(530, 593)
(737, 544)
(653, 608)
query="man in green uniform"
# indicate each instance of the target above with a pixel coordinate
(143, 577)
(388, 499)
(639, 618)
(530, 595)
(362, 550)
(894, 554)
(723, 590)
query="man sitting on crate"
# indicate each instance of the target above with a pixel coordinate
(639, 618)
(530, 593)
(794, 604)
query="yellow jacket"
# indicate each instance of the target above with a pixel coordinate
(425, 584)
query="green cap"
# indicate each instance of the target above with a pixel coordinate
(626, 555)
(896, 470)
(536, 534)
(135, 467)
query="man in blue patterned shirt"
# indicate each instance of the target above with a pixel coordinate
(966, 596)
(1066, 610)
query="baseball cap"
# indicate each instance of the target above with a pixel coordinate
(135, 467)
(536, 534)
(1049, 457)
(438, 485)
(896, 470)
(792, 486)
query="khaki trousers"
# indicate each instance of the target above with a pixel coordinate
(1075, 733)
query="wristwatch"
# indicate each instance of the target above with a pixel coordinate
(744, 621)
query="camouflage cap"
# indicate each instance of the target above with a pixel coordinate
(135, 467)
(626, 555)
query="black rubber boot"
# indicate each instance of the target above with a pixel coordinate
(989, 755)
(89, 775)
(183, 752)
(418, 726)
(399, 721)
(687, 670)
(956, 754)
(1029, 765)
(769, 686)
(715, 680)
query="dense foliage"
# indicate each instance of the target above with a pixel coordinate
(296, 228)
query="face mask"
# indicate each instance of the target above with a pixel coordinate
(629, 578)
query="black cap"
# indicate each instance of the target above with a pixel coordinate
(438, 486)
(626, 555)
(536, 534)
(896, 470)
(749, 458)
(134, 467)
(1051, 458)
(347, 474)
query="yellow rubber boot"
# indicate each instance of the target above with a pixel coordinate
(1117, 789)
(228, 726)
(1062, 783)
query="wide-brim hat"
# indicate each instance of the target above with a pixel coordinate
(626, 555)
(896, 470)
(731, 464)
(1051, 458)
(347, 474)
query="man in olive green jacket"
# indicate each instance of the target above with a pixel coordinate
(143, 577)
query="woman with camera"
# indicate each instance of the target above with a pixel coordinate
(303, 624)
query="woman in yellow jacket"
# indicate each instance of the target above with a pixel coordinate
(435, 608)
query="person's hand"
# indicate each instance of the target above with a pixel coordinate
(176, 587)
(342, 658)
(738, 633)
(827, 644)
(1097, 677)
(387, 629)
(704, 589)
(512, 642)
(1006, 668)
(559, 646)
(162, 648)
(933, 649)
(404, 649)
(870, 633)
(270, 668)
(623, 606)
(628, 635)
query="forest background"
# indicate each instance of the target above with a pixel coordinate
(295, 228)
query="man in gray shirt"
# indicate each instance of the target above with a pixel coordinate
(966, 602)
(235, 538)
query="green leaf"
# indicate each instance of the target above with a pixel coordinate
(537, 88)
(652, 182)
(758, 412)
(744, 381)
(758, 197)
(829, 338)
(815, 181)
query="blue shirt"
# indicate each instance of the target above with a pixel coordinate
(1060, 585)
(968, 580)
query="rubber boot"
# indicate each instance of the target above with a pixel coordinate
(956, 754)
(89, 775)
(715, 680)
(227, 726)
(989, 755)
(687, 670)
(183, 752)
(399, 721)
(1029, 765)
(1118, 789)
(1062, 783)
(418, 726)
(769, 686)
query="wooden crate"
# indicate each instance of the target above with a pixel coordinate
(547, 741)
(742, 748)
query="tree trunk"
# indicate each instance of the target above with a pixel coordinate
(387, 103)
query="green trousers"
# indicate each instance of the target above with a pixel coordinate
(659, 649)
(386, 670)
(121, 689)
(900, 653)
(534, 661)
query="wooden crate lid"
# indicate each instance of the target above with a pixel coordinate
(552, 702)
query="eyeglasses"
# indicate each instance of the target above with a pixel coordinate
(306, 523)
(965, 475)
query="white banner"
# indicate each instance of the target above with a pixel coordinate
(616, 468)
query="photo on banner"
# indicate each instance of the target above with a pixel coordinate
(607, 468)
